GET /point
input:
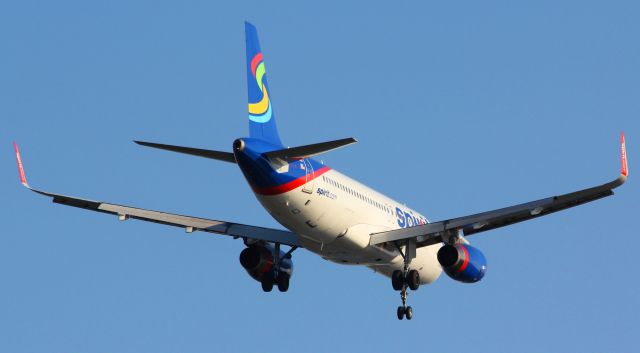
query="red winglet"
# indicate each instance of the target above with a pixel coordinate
(623, 149)
(23, 179)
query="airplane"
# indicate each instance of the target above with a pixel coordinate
(331, 214)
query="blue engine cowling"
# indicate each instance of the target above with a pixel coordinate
(258, 260)
(463, 263)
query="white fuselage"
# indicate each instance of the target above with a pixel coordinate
(334, 216)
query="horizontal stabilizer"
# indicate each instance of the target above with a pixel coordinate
(309, 150)
(219, 155)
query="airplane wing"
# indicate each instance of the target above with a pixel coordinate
(433, 233)
(189, 223)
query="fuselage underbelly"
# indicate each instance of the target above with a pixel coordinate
(334, 216)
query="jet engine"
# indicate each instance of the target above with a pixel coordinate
(258, 260)
(462, 262)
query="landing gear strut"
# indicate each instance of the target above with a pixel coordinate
(402, 280)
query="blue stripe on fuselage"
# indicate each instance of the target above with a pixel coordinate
(261, 174)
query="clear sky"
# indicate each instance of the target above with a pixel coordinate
(459, 107)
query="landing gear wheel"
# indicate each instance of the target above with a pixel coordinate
(408, 312)
(283, 282)
(267, 282)
(413, 280)
(400, 312)
(397, 280)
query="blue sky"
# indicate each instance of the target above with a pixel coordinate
(459, 107)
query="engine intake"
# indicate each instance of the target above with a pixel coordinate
(463, 263)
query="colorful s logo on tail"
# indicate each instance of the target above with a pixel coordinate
(259, 112)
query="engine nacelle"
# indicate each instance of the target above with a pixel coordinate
(462, 262)
(258, 260)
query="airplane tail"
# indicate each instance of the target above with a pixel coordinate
(262, 122)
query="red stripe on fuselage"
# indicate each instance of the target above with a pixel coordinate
(293, 184)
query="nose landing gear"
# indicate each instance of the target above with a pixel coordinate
(405, 311)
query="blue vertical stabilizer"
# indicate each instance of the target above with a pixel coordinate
(262, 121)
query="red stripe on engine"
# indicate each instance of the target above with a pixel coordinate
(293, 184)
(267, 264)
(466, 259)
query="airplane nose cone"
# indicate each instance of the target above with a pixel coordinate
(238, 145)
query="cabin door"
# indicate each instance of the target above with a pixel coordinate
(309, 176)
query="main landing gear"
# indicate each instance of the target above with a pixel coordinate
(280, 279)
(275, 276)
(404, 279)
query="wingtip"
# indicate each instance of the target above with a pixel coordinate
(23, 178)
(623, 156)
